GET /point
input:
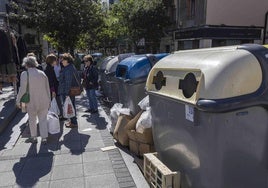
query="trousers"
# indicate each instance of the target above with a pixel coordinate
(42, 119)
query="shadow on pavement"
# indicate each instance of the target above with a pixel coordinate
(36, 167)
(75, 141)
(101, 123)
(6, 135)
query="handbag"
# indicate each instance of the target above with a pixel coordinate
(26, 96)
(76, 90)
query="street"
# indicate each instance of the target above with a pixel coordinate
(72, 158)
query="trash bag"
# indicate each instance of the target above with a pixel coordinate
(115, 111)
(145, 121)
(144, 103)
(53, 123)
(68, 108)
(54, 107)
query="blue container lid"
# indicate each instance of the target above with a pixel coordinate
(161, 55)
(137, 66)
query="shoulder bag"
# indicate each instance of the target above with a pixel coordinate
(76, 90)
(26, 96)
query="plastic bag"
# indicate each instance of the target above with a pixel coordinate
(54, 106)
(145, 121)
(144, 103)
(124, 111)
(53, 123)
(68, 108)
(115, 111)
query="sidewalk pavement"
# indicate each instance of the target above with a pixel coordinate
(8, 109)
(72, 158)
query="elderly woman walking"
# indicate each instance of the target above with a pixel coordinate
(39, 103)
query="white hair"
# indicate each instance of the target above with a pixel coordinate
(30, 61)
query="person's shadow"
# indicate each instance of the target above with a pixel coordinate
(33, 167)
(74, 142)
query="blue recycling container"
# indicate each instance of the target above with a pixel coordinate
(132, 73)
(108, 80)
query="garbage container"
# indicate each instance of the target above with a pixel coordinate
(209, 113)
(102, 74)
(132, 73)
(109, 81)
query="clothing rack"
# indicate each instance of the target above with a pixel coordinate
(5, 26)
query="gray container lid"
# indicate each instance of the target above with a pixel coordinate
(214, 73)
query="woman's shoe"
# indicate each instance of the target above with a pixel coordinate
(32, 140)
(71, 125)
(44, 141)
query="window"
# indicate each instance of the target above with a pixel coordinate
(190, 6)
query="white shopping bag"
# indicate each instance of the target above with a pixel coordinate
(53, 123)
(68, 108)
(54, 107)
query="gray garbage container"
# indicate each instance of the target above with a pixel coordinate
(109, 81)
(209, 113)
(132, 74)
(102, 74)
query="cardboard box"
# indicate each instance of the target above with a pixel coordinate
(140, 143)
(119, 127)
(125, 123)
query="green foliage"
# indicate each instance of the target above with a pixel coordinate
(141, 19)
(69, 24)
(63, 21)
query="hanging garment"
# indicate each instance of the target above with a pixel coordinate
(22, 48)
(7, 66)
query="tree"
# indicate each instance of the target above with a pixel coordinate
(63, 21)
(142, 19)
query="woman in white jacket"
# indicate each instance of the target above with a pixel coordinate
(39, 98)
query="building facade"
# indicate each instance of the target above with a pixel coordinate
(211, 23)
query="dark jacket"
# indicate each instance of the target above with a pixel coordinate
(91, 76)
(52, 79)
(67, 79)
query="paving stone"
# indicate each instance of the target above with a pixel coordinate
(117, 162)
(93, 144)
(125, 179)
(21, 149)
(70, 146)
(67, 171)
(7, 165)
(65, 159)
(98, 168)
(68, 183)
(121, 170)
(38, 163)
(7, 179)
(122, 174)
(92, 136)
(115, 167)
(126, 184)
(35, 170)
(107, 181)
(41, 185)
(94, 156)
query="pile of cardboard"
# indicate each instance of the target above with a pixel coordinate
(125, 133)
